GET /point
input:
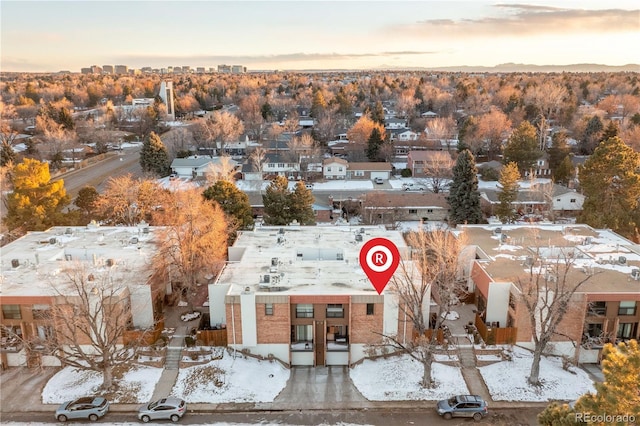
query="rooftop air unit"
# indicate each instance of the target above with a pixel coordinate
(359, 238)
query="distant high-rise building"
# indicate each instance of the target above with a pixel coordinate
(225, 69)
(85, 70)
(238, 69)
(121, 69)
(169, 69)
(146, 69)
(200, 70)
(107, 69)
(177, 70)
(186, 69)
(96, 69)
(166, 94)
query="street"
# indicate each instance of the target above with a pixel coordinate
(420, 416)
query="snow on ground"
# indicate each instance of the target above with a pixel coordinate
(229, 380)
(70, 383)
(557, 384)
(398, 379)
(262, 423)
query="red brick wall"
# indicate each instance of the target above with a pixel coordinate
(273, 328)
(231, 319)
(363, 326)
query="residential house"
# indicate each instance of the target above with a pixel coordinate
(403, 135)
(369, 170)
(566, 202)
(298, 294)
(542, 199)
(197, 166)
(422, 163)
(323, 211)
(390, 208)
(395, 123)
(334, 168)
(281, 165)
(603, 309)
(35, 277)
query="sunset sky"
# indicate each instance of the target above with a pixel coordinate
(267, 35)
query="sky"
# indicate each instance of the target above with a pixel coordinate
(49, 36)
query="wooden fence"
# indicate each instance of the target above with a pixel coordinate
(496, 335)
(144, 337)
(212, 337)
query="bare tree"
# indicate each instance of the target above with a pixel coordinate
(127, 201)
(433, 271)
(256, 158)
(547, 293)
(224, 169)
(438, 170)
(92, 311)
(193, 242)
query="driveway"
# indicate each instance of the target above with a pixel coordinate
(21, 388)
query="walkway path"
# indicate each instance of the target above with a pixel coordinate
(470, 372)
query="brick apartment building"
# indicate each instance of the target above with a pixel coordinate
(604, 309)
(300, 295)
(35, 277)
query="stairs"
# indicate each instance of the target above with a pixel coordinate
(174, 353)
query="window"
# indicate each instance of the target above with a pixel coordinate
(558, 199)
(597, 308)
(304, 333)
(627, 330)
(11, 312)
(281, 165)
(40, 312)
(594, 330)
(413, 211)
(335, 311)
(627, 308)
(304, 311)
(359, 172)
(268, 308)
(573, 200)
(339, 169)
(328, 169)
(370, 308)
(429, 210)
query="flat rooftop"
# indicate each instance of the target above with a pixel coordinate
(34, 265)
(298, 260)
(610, 260)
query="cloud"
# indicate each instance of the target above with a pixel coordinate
(526, 20)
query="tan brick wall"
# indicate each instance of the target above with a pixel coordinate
(571, 325)
(363, 326)
(273, 328)
(234, 321)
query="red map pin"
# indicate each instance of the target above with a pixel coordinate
(379, 259)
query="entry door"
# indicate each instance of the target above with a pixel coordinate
(320, 342)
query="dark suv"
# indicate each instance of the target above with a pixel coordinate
(463, 406)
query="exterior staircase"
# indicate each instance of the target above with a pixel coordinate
(174, 353)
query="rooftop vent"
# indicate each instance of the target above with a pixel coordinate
(497, 231)
(68, 231)
(635, 274)
(281, 231)
(52, 240)
(15, 263)
(274, 261)
(359, 237)
(622, 260)
(133, 240)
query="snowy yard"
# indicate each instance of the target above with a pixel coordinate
(507, 380)
(398, 379)
(229, 380)
(136, 385)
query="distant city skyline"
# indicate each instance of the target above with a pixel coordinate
(266, 35)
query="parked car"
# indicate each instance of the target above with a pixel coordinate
(88, 407)
(413, 187)
(463, 406)
(379, 180)
(166, 408)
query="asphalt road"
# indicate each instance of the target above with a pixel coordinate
(501, 417)
(96, 175)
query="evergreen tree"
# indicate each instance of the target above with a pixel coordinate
(374, 144)
(522, 147)
(508, 193)
(558, 151)
(610, 131)
(464, 197)
(377, 113)
(233, 201)
(7, 154)
(619, 394)
(266, 111)
(318, 104)
(610, 181)
(86, 200)
(276, 202)
(301, 205)
(154, 156)
(35, 203)
(564, 171)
